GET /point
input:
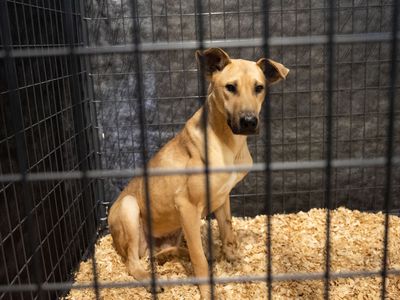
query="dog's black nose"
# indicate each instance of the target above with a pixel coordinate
(248, 122)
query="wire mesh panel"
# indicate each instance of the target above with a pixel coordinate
(46, 226)
(298, 117)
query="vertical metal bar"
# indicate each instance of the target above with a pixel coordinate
(329, 150)
(169, 73)
(210, 21)
(26, 250)
(297, 106)
(32, 39)
(376, 189)
(334, 175)
(3, 255)
(268, 156)
(224, 18)
(101, 214)
(310, 57)
(363, 170)
(7, 209)
(283, 123)
(183, 60)
(86, 122)
(256, 151)
(49, 235)
(390, 144)
(60, 71)
(108, 20)
(123, 20)
(353, 6)
(143, 140)
(200, 39)
(157, 101)
(3, 188)
(79, 117)
(237, 12)
(16, 122)
(57, 142)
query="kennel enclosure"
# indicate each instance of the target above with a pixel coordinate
(71, 129)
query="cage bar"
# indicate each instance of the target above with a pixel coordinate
(389, 145)
(204, 120)
(143, 140)
(268, 173)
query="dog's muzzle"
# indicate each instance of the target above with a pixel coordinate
(246, 124)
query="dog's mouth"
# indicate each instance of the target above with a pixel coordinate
(238, 130)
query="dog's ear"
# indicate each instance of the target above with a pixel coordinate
(273, 70)
(212, 60)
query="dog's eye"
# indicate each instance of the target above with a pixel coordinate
(231, 88)
(259, 89)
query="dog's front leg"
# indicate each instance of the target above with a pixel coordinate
(190, 217)
(224, 219)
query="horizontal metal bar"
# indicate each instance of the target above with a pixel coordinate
(65, 286)
(191, 45)
(272, 11)
(257, 167)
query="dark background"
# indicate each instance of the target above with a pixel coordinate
(298, 104)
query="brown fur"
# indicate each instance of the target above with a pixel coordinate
(178, 201)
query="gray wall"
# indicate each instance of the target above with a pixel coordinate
(298, 104)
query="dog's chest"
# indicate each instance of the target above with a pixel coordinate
(227, 185)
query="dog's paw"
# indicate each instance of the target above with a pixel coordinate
(140, 274)
(230, 249)
(205, 292)
(159, 289)
(230, 253)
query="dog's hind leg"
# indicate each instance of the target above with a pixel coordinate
(124, 221)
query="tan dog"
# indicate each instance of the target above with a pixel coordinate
(235, 95)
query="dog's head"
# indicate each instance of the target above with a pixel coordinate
(239, 86)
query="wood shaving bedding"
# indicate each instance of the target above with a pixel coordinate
(298, 245)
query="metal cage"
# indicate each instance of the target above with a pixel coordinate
(89, 90)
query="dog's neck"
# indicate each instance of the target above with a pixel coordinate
(218, 123)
